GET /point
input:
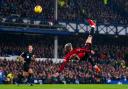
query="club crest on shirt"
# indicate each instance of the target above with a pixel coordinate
(27, 56)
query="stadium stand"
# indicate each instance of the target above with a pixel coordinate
(112, 58)
(111, 51)
(72, 11)
(74, 73)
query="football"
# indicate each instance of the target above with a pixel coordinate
(38, 9)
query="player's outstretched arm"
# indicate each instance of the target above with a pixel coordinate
(68, 57)
(21, 58)
(33, 58)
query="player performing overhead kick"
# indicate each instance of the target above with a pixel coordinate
(80, 53)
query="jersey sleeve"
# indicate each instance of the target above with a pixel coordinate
(23, 54)
(83, 50)
(67, 57)
(33, 57)
(76, 51)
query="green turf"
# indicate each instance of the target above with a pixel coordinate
(59, 86)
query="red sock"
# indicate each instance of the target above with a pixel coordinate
(91, 23)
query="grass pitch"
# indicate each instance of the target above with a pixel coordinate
(65, 86)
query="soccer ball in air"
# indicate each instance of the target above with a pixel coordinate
(38, 9)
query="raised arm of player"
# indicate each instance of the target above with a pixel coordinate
(21, 57)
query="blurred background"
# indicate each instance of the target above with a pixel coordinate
(60, 22)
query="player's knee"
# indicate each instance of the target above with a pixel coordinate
(30, 71)
(25, 74)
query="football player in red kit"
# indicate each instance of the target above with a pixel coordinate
(80, 53)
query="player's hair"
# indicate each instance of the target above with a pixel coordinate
(67, 47)
(30, 45)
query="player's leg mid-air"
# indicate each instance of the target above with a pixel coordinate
(88, 44)
(80, 53)
(26, 58)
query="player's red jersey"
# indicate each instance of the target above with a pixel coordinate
(80, 52)
(81, 55)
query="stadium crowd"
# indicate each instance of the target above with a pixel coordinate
(16, 44)
(111, 56)
(75, 72)
(71, 10)
(111, 52)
